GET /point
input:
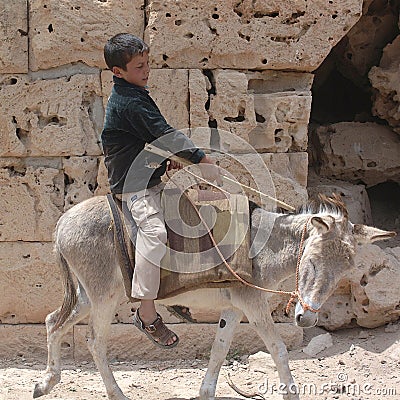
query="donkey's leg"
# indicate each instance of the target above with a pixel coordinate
(53, 370)
(255, 306)
(98, 330)
(228, 321)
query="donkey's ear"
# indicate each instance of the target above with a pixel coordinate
(320, 224)
(368, 234)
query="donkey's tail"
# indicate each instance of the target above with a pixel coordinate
(70, 298)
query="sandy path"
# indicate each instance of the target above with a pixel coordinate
(361, 365)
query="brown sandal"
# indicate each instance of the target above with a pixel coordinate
(157, 332)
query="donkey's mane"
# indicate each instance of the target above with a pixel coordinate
(322, 205)
(326, 205)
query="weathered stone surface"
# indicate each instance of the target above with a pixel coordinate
(29, 342)
(80, 179)
(269, 110)
(54, 29)
(50, 117)
(354, 196)
(386, 81)
(199, 85)
(29, 282)
(367, 296)
(362, 47)
(128, 343)
(318, 343)
(169, 88)
(282, 176)
(14, 34)
(32, 198)
(375, 297)
(246, 34)
(358, 152)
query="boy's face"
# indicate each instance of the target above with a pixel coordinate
(137, 70)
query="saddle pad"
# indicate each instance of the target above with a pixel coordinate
(192, 261)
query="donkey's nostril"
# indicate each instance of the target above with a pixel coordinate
(299, 317)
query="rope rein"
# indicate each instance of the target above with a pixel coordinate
(293, 295)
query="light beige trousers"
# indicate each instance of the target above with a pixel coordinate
(145, 207)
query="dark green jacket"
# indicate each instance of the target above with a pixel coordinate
(132, 120)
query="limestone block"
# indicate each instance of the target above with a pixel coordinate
(247, 34)
(282, 176)
(30, 342)
(283, 121)
(362, 48)
(385, 79)
(375, 286)
(369, 295)
(355, 152)
(50, 117)
(318, 343)
(354, 196)
(80, 179)
(337, 311)
(169, 88)
(54, 29)
(199, 85)
(231, 106)
(128, 343)
(29, 282)
(14, 34)
(268, 110)
(32, 198)
(106, 78)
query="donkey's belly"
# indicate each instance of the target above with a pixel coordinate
(200, 301)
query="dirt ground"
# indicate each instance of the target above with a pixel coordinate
(362, 364)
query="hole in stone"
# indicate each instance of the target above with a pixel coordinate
(50, 28)
(264, 61)
(371, 164)
(82, 39)
(189, 35)
(22, 33)
(260, 118)
(178, 22)
(167, 14)
(365, 302)
(364, 280)
(65, 345)
(215, 16)
(165, 57)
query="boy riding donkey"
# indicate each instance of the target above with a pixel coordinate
(132, 120)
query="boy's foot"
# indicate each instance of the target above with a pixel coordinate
(156, 331)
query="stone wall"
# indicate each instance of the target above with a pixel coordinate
(243, 67)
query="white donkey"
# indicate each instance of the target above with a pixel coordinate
(84, 245)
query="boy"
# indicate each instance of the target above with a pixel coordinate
(132, 120)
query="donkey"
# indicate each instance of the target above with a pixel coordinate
(84, 245)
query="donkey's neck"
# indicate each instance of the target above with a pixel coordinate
(277, 245)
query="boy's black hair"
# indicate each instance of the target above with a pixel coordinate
(120, 49)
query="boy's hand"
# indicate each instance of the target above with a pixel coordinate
(174, 165)
(210, 170)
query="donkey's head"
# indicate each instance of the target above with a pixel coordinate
(328, 255)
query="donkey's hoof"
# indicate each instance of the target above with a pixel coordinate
(38, 391)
